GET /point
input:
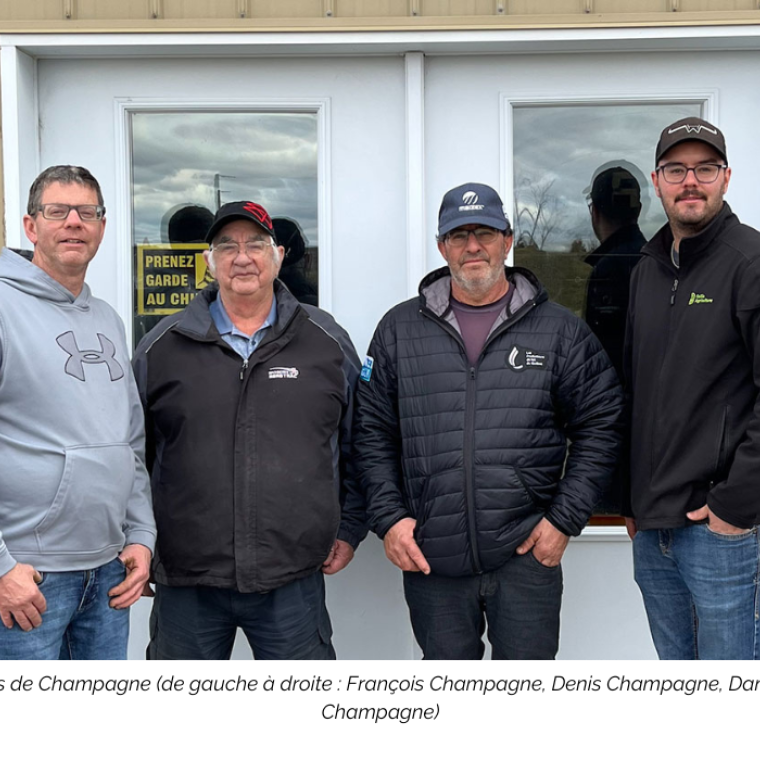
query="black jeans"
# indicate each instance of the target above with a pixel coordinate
(520, 602)
(200, 623)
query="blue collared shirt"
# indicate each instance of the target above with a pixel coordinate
(242, 344)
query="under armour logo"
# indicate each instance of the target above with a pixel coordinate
(259, 213)
(696, 128)
(77, 359)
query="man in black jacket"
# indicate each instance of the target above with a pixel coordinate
(693, 367)
(467, 401)
(248, 398)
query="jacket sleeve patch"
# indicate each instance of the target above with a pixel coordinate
(367, 369)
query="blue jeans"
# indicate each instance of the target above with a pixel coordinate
(520, 602)
(78, 623)
(700, 591)
(200, 623)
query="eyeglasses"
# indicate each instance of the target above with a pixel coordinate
(460, 238)
(59, 211)
(252, 248)
(674, 174)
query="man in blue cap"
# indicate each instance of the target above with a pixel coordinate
(466, 404)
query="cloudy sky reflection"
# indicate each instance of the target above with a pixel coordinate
(267, 157)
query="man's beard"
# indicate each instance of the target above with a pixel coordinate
(691, 221)
(478, 283)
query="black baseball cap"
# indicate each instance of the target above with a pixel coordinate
(691, 128)
(471, 203)
(249, 210)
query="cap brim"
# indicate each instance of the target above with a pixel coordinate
(488, 221)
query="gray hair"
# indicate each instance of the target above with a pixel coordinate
(65, 175)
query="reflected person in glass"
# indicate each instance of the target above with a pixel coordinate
(614, 202)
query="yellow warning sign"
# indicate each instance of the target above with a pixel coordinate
(169, 276)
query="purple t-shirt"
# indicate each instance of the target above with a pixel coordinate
(476, 322)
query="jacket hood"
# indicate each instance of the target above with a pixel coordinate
(435, 289)
(18, 272)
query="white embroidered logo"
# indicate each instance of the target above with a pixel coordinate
(696, 128)
(469, 198)
(283, 373)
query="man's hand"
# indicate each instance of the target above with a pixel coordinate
(547, 542)
(20, 599)
(136, 558)
(714, 522)
(630, 526)
(402, 549)
(340, 555)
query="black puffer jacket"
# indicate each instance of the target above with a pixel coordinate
(476, 454)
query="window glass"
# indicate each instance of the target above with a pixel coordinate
(585, 205)
(184, 165)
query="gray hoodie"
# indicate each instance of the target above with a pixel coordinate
(73, 484)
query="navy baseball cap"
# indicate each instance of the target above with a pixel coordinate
(249, 210)
(471, 203)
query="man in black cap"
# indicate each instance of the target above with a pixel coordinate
(248, 399)
(693, 367)
(465, 406)
(614, 205)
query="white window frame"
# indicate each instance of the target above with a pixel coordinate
(123, 110)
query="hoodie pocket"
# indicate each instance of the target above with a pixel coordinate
(88, 510)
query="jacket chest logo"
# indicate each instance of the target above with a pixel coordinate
(77, 358)
(699, 298)
(520, 359)
(283, 373)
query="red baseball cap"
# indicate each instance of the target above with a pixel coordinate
(249, 210)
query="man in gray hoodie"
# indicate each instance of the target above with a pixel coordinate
(76, 524)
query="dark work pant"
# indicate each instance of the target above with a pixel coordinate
(200, 623)
(520, 602)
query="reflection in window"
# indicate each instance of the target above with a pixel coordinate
(584, 207)
(185, 165)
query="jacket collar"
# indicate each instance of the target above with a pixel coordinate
(435, 289)
(196, 321)
(691, 248)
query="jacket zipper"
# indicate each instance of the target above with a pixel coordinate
(673, 291)
(243, 369)
(469, 420)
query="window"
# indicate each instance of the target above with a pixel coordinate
(584, 206)
(185, 165)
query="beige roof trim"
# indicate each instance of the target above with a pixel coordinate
(430, 23)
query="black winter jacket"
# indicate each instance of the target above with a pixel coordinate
(249, 460)
(476, 454)
(693, 367)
